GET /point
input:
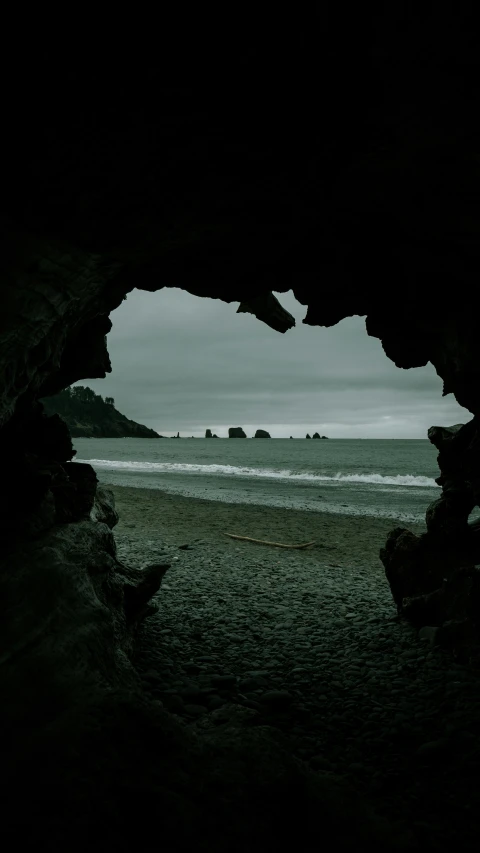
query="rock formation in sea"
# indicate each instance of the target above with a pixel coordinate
(174, 169)
(236, 432)
(262, 433)
(88, 415)
(308, 436)
(208, 433)
(316, 435)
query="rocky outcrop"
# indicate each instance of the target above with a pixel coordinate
(308, 436)
(317, 435)
(434, 578)
(236, 432)
(262, 433)
(208, 433)
(88, 415)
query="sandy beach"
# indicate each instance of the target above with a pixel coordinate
(176, 520)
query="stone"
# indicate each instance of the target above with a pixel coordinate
(429, 634)
(252, 684)
(236, 432)
(433, 748)
(103, 509)
(192, 668)
(441, 437)
(194, 710)
(208, 433)
(224, 681)
(215, 702)
(173, 703)
(277, 698)
(136, 597)
(262, 433)
(75, 496)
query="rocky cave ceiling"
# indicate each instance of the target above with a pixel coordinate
(340, 163)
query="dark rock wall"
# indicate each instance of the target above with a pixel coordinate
(434, 578)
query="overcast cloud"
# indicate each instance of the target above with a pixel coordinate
(181, 363)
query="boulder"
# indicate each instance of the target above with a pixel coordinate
(103, 509)
(262, 433)
(236, 432)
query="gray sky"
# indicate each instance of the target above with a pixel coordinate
(181, 363)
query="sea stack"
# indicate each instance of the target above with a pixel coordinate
(262, 433)
(236, 432)
(308, 436)
(208, 433)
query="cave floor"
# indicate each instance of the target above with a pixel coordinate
(311, 644)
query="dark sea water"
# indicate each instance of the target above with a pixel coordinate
(383, 478)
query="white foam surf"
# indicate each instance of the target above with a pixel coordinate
(264, 473)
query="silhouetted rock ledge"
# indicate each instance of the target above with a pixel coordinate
(236, 432)
(88, 415)
(317, 435)
(262, 433)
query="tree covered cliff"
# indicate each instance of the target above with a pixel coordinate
(89, 415)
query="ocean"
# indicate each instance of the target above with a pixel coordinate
(382, 478)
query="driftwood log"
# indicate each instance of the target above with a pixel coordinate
(264, 542)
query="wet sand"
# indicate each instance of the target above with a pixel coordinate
(176, 520)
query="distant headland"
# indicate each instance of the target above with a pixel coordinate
(88, 415)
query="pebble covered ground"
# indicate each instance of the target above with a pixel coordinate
(317, 650)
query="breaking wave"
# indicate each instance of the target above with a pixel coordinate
(265, 473)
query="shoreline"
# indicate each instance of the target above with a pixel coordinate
(346, 540)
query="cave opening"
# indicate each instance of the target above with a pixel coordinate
(308, 644)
